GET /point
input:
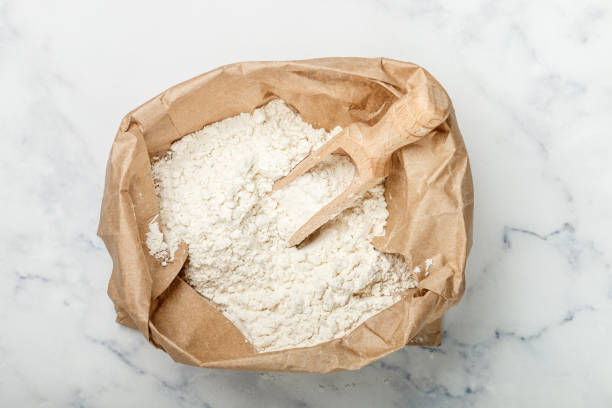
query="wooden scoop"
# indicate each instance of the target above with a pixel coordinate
(370, 148)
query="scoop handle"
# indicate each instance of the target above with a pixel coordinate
(411, 117)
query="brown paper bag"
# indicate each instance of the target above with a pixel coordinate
(429, 196)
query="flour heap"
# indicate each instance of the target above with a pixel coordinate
(215, 192)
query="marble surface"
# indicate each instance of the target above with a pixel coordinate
(532, 85)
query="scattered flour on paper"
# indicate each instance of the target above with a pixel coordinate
(215, 191)
(155, 241)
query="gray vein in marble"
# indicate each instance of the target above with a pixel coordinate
(564, 239)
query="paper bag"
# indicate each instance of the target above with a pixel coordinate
(429, 195)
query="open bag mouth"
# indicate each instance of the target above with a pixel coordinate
(429, 197)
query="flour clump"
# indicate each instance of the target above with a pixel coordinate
(215, 193)
(155, 241)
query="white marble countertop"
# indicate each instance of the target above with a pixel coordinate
(532, 85)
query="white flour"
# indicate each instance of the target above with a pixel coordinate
(155, 241)
(215, 194)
